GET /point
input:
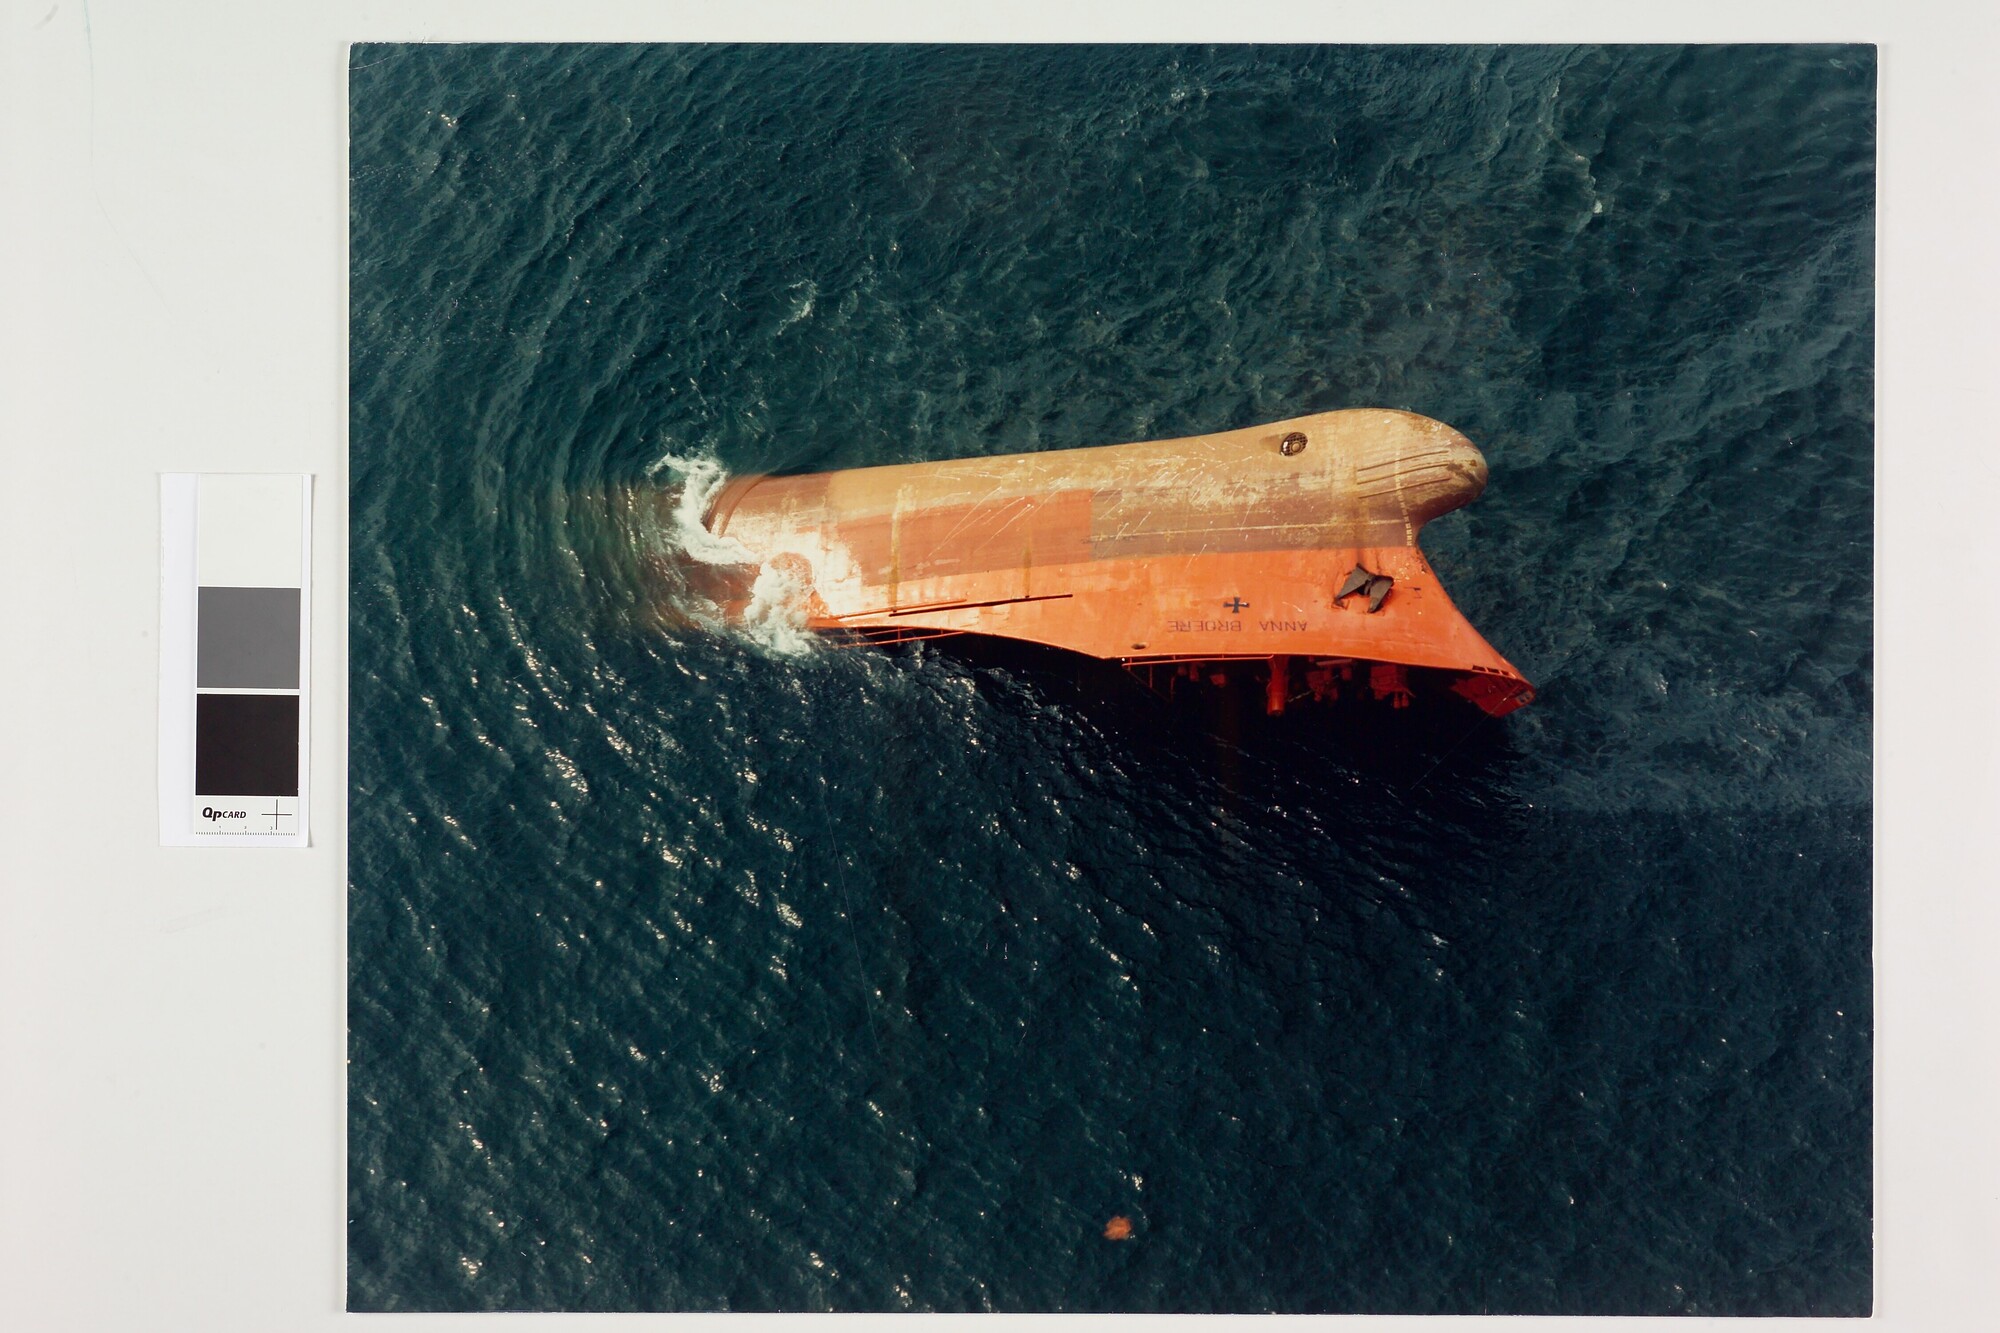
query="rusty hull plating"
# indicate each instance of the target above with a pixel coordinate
(1289, 550)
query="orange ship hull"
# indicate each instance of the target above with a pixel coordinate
(1289, 549)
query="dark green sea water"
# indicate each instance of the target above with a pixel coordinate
(690, 971)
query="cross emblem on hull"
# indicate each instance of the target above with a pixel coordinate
(1236, 604)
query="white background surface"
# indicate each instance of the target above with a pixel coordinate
(251, 530)
(172, 297)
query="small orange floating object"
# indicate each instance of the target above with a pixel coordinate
(1285, 553)
(1118, 1228)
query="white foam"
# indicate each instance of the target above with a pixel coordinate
(775, 618)
(702, 479)
(776, 615)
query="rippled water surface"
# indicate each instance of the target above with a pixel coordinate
(695, 970)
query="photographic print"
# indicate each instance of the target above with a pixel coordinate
(1111, 678)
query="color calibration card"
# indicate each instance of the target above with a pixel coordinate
(235, 558)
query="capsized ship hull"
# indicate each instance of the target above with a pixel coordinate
(1288, 550)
